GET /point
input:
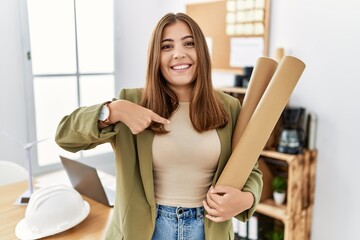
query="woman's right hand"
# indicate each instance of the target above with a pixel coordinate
(136, 117)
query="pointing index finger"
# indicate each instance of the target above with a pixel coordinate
(156, 118)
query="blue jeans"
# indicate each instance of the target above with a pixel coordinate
(178, 223)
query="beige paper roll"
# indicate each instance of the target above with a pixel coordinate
(260, 78)
(261, 123)
(279, 54)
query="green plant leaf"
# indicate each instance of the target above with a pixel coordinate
(279, 184)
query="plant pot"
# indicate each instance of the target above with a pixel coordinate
(279, 197)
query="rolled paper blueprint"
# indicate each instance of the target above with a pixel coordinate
(279, 54)
(261, 123)
(260, 78)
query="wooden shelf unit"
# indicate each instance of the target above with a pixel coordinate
(296, 213)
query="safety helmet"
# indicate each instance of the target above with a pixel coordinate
(52, 210)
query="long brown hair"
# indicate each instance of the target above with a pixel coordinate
(206, 110)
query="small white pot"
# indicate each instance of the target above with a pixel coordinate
(279, 197)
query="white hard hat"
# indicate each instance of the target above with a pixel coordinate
(52, 210)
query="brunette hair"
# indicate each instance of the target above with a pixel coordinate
(206, 110)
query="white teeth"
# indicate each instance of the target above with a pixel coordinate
(180, 67)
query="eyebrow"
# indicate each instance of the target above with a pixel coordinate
(172, 40)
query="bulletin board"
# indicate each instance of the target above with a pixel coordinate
(211, 17)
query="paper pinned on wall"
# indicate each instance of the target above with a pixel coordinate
(245, 51)
(209, 42)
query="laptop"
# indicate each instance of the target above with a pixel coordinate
(86, 181)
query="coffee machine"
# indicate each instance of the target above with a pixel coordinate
(292, 133)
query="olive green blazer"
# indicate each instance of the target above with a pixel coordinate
(134, 212)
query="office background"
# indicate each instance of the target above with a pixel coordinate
(324, 34)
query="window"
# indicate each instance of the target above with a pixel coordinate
(72, 65)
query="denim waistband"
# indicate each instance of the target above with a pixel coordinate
(180, 212)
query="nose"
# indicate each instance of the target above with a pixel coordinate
(179, 53)
(179, 56)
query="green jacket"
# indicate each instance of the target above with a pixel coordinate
(135, 207)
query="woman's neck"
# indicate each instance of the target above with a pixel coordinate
(183, 94)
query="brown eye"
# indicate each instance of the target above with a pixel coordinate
(189, 44)
(166, 47)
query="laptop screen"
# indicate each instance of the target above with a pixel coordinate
(85, 180)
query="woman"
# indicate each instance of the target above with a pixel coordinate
(171, 140)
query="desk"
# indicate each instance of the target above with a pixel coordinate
(93, 227)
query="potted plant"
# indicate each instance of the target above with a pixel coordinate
(279, 189)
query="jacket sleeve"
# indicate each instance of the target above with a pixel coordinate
(79, 130)
(254, 185)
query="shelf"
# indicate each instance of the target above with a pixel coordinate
(279, 156)
(296, 213)
(268, 207)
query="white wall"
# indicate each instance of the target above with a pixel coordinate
(323, 33)
(134, 25)
(326, 35)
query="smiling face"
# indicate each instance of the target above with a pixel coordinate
(178, 58)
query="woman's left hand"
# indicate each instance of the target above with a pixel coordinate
(224, 202)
